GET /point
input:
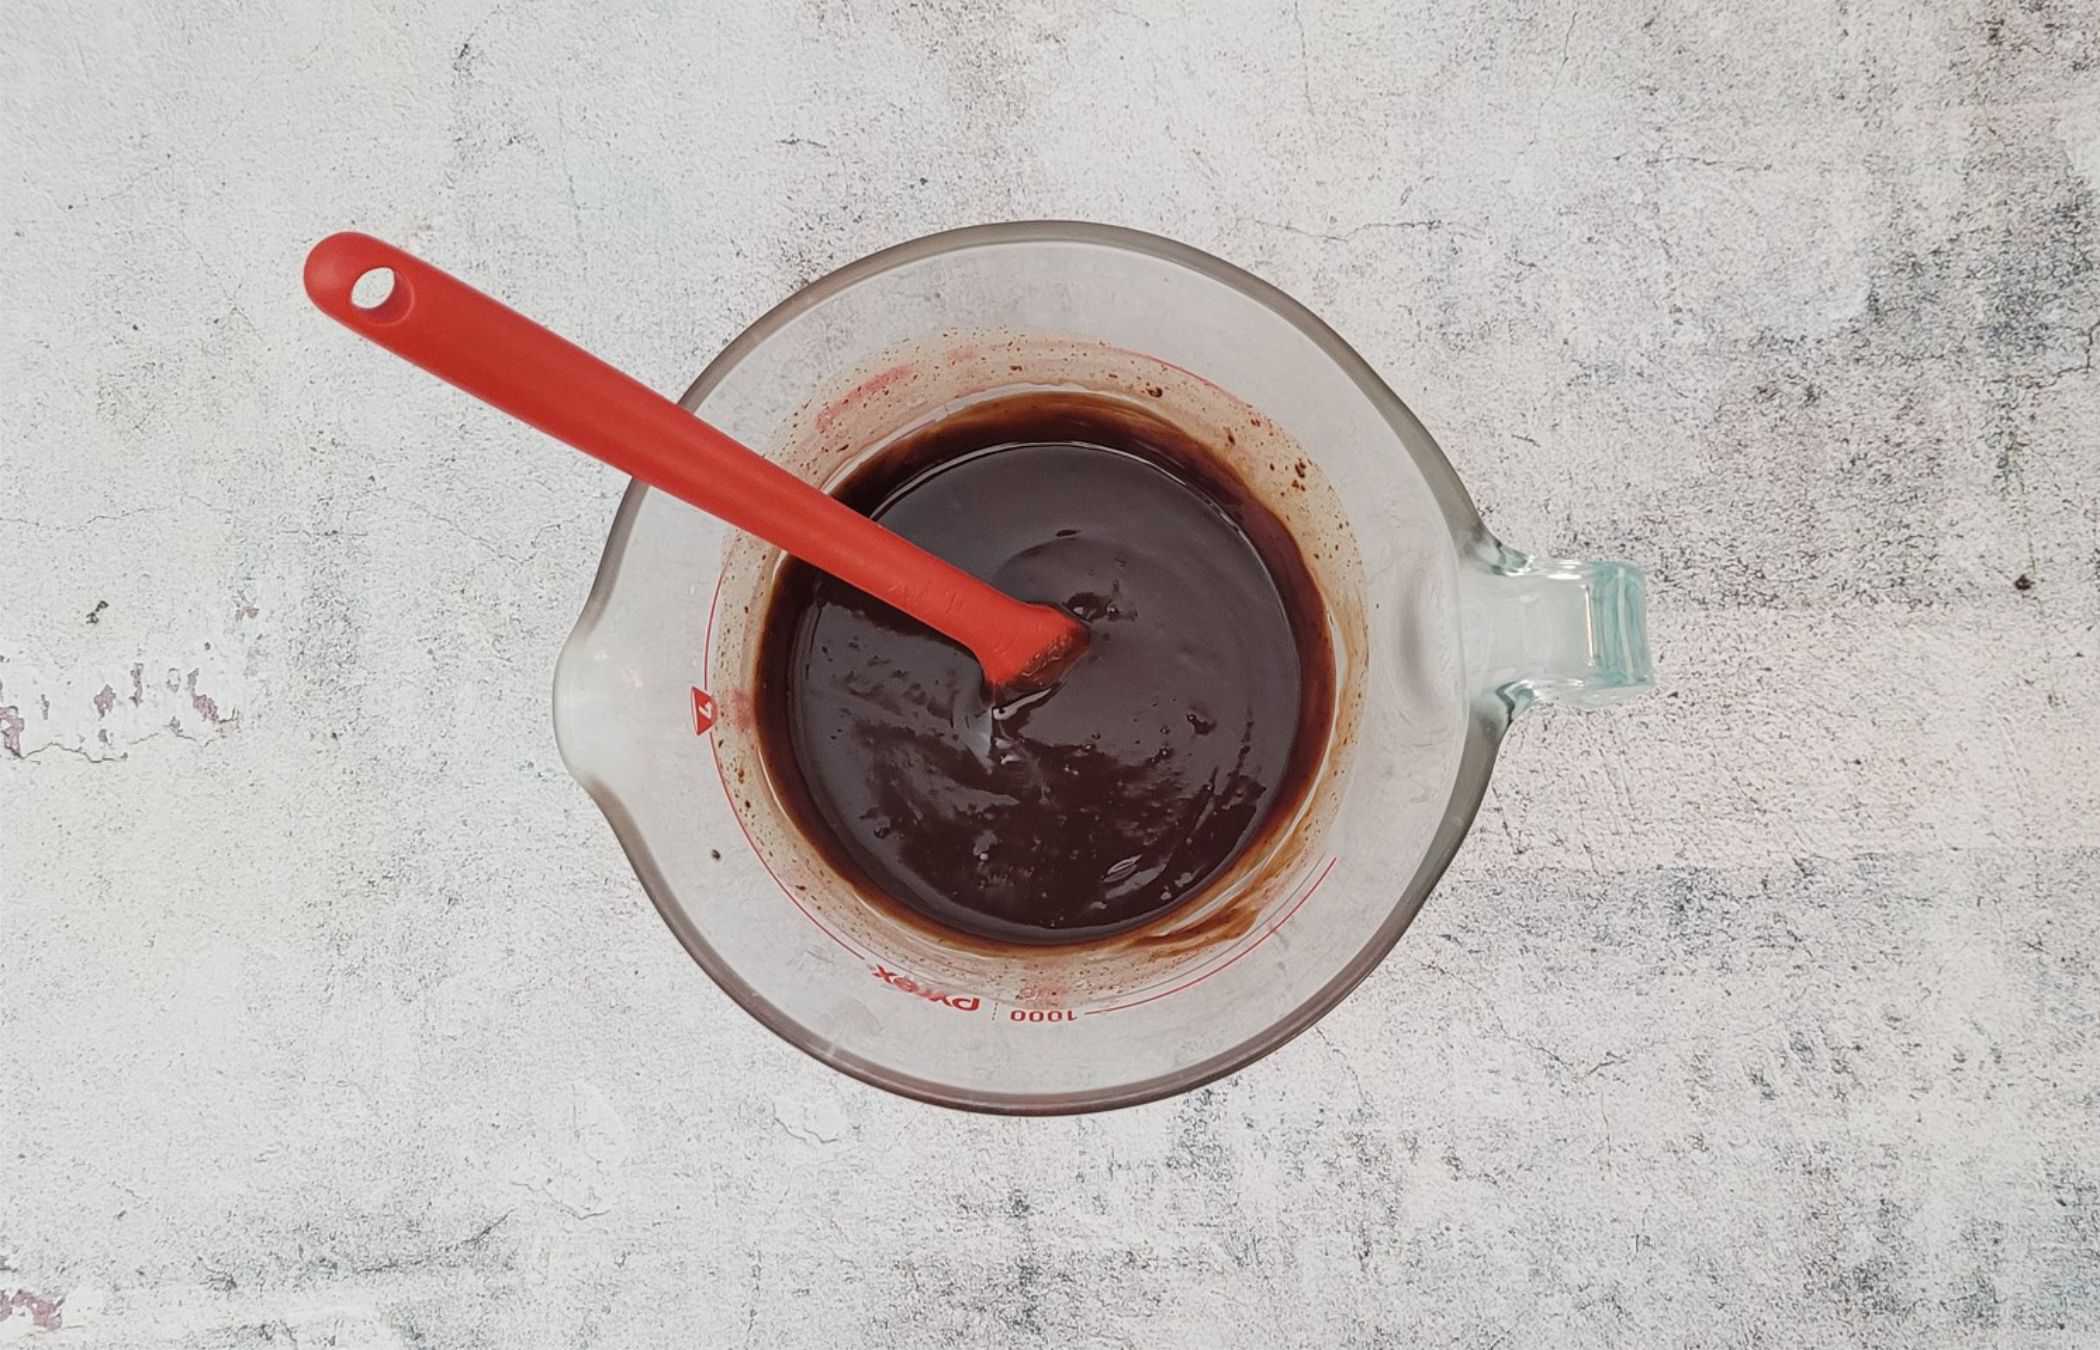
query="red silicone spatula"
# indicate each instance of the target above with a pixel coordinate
(508, 361)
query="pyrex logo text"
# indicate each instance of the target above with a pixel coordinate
(959, 1002)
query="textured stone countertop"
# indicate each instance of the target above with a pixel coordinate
(1759, 1013)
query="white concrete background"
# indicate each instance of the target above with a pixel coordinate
(1762, 1013)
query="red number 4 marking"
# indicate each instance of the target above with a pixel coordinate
(703, 711)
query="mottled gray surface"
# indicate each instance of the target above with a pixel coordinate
(1761, 1013)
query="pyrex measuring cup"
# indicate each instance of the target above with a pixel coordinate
(1440, 635)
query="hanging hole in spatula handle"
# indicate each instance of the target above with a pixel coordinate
(493, 352)
(362, 281)
(505, 359)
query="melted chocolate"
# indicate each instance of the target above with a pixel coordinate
(1190, 726)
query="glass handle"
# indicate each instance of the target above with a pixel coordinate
(1551, 630)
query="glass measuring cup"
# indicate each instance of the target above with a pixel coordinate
(1440, 635)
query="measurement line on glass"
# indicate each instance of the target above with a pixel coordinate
(729, 795)
(1266, 934)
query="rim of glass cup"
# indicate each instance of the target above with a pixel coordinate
(1469, 785)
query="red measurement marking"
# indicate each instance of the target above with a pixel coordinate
(707, 649)
(959, 1002)
(752, 844)
(1219, 959)
(866, 389)
(729, 797)
(1042, 1015)
(1266, 935)
(703, 711)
